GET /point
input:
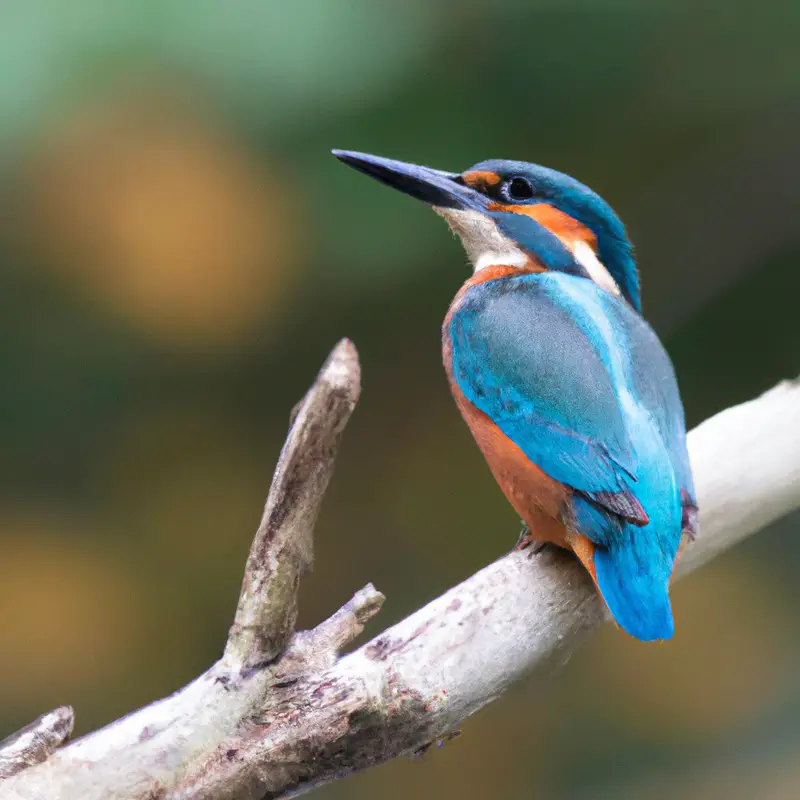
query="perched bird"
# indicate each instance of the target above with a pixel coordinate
(567, 390)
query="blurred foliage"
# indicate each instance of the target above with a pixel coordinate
(178, 253)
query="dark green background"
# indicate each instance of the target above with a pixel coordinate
(179, 252)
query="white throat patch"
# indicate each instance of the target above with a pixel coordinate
(484, 243)
(486, 247)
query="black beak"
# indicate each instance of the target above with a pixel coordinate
(432, 186)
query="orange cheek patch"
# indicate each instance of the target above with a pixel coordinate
(567, 229)
(481, 179)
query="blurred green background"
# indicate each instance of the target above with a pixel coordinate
(178, 253)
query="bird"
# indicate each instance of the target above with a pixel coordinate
(567, 390)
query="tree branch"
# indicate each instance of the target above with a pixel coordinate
(264, 722)
(282, 551)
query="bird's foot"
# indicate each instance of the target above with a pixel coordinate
(526, 541)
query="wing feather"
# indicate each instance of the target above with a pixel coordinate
(520, 357)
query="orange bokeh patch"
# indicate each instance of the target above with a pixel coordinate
(163, 218)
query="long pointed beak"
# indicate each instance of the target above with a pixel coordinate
(432, 186)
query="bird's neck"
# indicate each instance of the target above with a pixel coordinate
(491, 272)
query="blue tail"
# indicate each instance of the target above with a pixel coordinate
(633, 564)
(637, 599)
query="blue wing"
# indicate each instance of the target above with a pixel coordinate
(654, 384)
(545, 357)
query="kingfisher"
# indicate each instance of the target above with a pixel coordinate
(566, 389)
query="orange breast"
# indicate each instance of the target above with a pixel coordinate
(537, 498)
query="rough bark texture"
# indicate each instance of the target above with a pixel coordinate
(281, 712)
(33, 743)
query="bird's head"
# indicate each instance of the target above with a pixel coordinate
(516, 214)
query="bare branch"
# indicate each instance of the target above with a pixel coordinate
(282, 551)
(310, 717)
(33, 743)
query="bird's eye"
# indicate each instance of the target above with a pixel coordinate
(518, 189)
